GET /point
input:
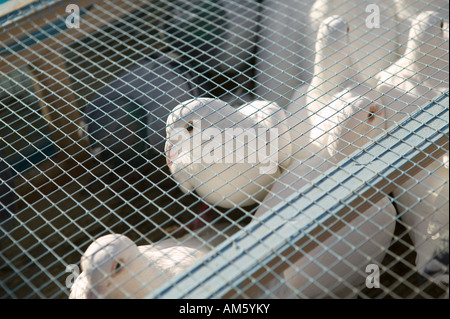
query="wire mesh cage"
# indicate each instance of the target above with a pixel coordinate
(224, 149)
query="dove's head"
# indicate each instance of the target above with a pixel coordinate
(428, 34)
(357, 121)
(333, 65)
(193, 124)
(111, 263)
(185, 127)
(333, 33)
(215, 150)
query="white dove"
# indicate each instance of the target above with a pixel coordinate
(114, 267)
(334, 68)
(422, 204)
(422, 73)
(337, 91)
(373, 31)
(419, 76)
(212, 148)
(362, 242)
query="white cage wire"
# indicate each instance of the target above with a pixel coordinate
(94, 94)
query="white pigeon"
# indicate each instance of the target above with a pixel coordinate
(419, 76)
(348, 130)
(114, 267)
(343, 117)
(336, 91)
(334, 68)
(362, 242)
(422, 204)
(356, 121)
(422, 73)
(212, 148)
(373, 31)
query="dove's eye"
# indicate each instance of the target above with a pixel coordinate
(373, 111)
(189, 126)
(118, 267)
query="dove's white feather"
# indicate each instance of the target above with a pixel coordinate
(343, 117)
(419, 76)
(409, 9)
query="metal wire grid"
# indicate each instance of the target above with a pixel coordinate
(316, 206)
(66, 197)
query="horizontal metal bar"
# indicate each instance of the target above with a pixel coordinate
(258, 246)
